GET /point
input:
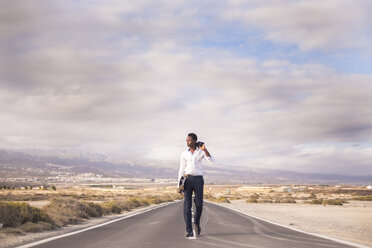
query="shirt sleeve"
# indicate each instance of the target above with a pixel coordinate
(210, 159)
(182, 169)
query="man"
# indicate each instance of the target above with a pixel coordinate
(191, 167)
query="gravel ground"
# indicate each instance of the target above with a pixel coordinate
(351, 222)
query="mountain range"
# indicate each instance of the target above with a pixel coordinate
(39, 163)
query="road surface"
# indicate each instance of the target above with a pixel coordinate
(164, 227)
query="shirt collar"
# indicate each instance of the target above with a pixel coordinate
(188, 149)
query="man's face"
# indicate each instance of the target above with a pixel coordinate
(190, 142)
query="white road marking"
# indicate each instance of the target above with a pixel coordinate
(192, 215)
(297, 230)
(93, 227)
(192, 221)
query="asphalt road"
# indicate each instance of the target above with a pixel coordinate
(164, 227)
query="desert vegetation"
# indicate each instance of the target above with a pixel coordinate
(317, 195)
(50, 208)
(342, 211)
(220, 199)
(69, 206)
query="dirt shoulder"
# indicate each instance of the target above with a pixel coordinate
(350, 222)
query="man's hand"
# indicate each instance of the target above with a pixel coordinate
(205, 150)
(178, 190)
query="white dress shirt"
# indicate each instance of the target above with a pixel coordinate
(191, 163)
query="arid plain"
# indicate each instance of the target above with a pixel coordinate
(341, 211)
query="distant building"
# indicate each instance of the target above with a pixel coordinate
(369, 187)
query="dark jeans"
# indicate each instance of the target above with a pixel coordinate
(196, 184)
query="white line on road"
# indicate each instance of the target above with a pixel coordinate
(93, 227)
(192, 220)
(297, 230)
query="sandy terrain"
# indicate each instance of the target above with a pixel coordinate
(351, 222)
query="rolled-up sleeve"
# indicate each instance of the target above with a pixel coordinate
(210, 159)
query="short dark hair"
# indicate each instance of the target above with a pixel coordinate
(193, 136)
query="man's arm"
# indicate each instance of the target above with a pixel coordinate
(208, 156)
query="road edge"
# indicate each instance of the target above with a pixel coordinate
(295, 229)
(95, 226)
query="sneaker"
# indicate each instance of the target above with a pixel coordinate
(189, 234)
(197, 229)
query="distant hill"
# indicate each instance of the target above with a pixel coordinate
(20, 164)
(43, 164)
(269, 176)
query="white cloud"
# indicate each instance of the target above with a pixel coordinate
(311, 25)
(245, 106)
(117, 81)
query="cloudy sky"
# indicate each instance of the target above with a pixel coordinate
(265, 83)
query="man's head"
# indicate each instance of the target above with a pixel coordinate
(191, 140)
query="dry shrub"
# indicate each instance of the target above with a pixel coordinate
(135, 202)
(223, 199)
(316, 201)
(210, 197)
(115, 207)
(255, 196)
(156, 199)
(288, 200)
(25, 196)
(264, 201)
(363, 198)
(10, 230)
(251, 200)
(118, 206)
(338, 202)
(61, 211)
(285, 200)
(13, 214)
(36, 227)
(93, 209)
(71, 211)
(235, 197)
